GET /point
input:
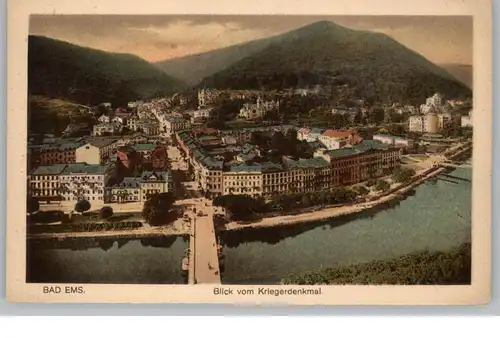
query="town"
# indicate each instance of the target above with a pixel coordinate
(228, 159)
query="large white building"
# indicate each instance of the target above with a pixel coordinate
(44, 183)
(466, 121)
(429, 123)
(96, 151)
(82, 181)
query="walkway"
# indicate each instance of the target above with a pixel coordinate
(206, 258)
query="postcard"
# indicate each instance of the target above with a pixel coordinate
(319, 153)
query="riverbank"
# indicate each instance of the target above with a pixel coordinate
(336, 211)
(144, 232)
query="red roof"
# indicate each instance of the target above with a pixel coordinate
(337, 133)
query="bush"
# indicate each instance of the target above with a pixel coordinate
(32, 205)
(402, 175)
(382, 185)
(82, 206)
(106, 212)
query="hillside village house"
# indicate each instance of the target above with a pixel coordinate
(251, 111)
(466, 121)
(102, 129)
(336, 139)
(309, 135)
(208, 97)
(82, 181)
(96, 151)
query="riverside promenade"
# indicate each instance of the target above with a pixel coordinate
(204, 264)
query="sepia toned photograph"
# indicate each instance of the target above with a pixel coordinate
(287, 152)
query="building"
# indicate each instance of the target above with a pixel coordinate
(175, 123)
(208, 97)
(394, 140)
(251, 111)
(58, 153)
(104, 119)
(104, 129)
(358, 163)
(155, 182)
(82, 181)
(96, 150)
(200, 115)
(139, 189)
(309, 134)
(466, 121)
(429, 123)
(133, 123)
(336, 139)
(44, 183)
(435, 100)
(148, 127)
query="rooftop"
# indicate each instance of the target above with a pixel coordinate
(101, 142)
(128, 182)
(54, 169)
(84, 168)
(144, 146)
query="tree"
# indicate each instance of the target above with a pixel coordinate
(106, 212)
(402, 175)
(157, 208)
(32, 205)
(82, 205)
(382, 185)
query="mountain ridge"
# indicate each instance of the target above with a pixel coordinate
(64, 70)
(370, 64)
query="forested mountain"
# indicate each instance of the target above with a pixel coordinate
(58, 69)
(367, 64)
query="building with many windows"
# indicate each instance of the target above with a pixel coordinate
(44, 183)
(82, 181)
(351, 164)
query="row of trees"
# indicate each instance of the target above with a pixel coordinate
(245, 207)
(423, 268)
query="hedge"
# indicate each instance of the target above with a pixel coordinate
(84, 227)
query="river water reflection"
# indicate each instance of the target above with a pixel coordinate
(436, 217)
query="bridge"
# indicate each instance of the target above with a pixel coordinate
(204, 255)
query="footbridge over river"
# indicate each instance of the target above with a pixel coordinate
(204, 267)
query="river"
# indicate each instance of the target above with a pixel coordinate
(437, 216)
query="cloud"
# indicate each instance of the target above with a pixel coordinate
(210, 34)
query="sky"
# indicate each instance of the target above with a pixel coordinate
(441, 39)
